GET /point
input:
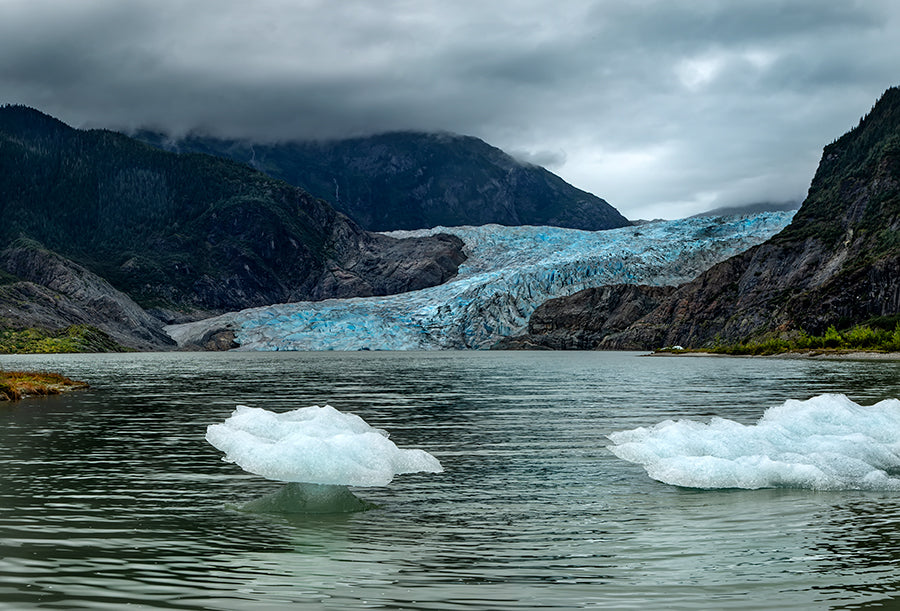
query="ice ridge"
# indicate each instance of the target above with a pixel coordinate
(509, 272)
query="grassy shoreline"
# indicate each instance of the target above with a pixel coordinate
(75, 338)
(15, 385)
(877, 338)
(824, 354)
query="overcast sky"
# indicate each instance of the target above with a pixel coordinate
(663, 108)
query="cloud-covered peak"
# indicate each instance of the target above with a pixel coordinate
(661, 108)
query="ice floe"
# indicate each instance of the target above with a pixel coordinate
(314, 445)
(827, 442)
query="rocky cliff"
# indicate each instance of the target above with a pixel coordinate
(583, 320)
(837, 263)
(409, 180)
(44, 290)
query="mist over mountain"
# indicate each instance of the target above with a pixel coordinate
(754, 208)
(191, 234)
(413, 180)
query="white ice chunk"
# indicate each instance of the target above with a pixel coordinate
(824, 443)
(316, 445)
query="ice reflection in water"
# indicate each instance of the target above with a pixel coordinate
(112, 495)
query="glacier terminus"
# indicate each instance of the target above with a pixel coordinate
(509, 272)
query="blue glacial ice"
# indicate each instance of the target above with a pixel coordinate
(314, 445)
(825, 443)
(509, 272)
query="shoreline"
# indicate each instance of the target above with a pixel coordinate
(830, 355)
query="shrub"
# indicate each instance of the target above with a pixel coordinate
(892, 342)
(861, 337)
(833, 339)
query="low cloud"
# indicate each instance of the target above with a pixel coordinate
(659, 107)
(547, 159)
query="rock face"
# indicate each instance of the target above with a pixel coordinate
(192, 234)
(838, 262)
(411, 180)
(50, 292)
(377, 264)
(583, 320)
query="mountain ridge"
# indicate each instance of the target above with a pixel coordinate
(415, 180)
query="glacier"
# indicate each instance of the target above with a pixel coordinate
(827, 442)
(508, 273)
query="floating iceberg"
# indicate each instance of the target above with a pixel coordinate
(825, 443)
(510, 271)
(315, 445)
(319, 451)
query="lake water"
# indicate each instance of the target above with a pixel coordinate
(111, 496)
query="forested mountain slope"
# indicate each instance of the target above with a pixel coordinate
(192, 232)
(411, 180)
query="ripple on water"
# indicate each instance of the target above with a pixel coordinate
(111, 496)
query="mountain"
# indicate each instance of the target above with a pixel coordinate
(100, 229)
(43, 290)
(583, 320)
(837, 263)
(193, 233)
(755, 208)
(410, 180)
(509, 272)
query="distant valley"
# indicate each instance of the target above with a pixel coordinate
(509, 271)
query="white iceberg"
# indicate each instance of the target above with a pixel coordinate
(825, 443)
(314, 445)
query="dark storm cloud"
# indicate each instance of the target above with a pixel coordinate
(661, 107)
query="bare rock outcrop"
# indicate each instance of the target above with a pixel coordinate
(50, 292)
(584, 320)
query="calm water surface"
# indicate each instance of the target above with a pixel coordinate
(112, 496)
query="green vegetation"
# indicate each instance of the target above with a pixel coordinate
(7, 278)
(875, 336)
(77, 338)
(15, 385)
(851, 166)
